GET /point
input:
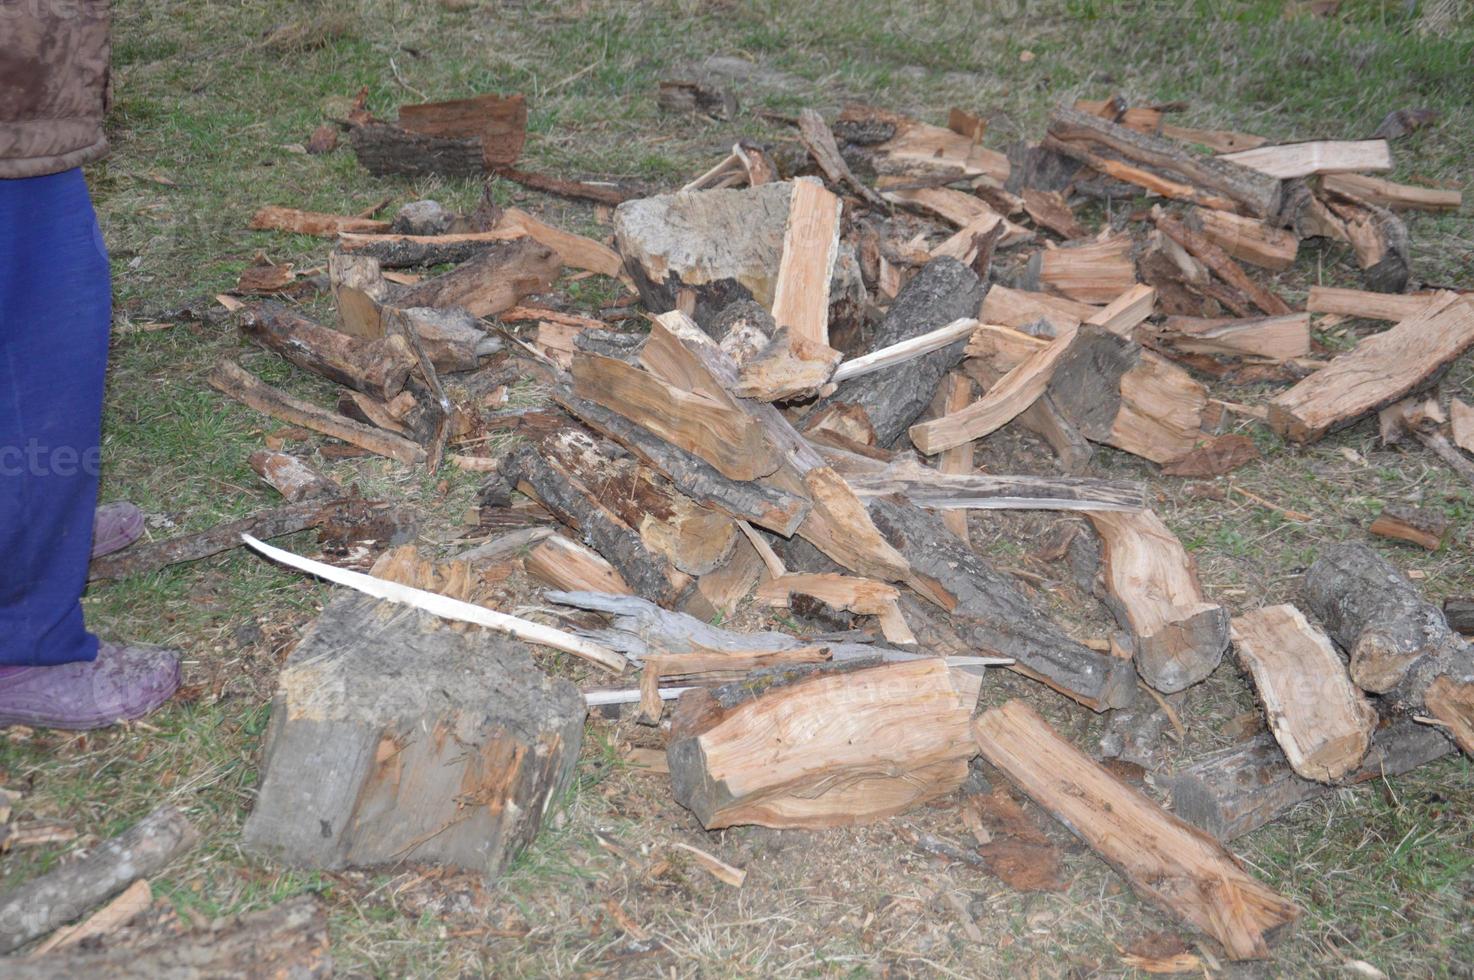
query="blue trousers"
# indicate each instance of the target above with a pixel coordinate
(55, 313)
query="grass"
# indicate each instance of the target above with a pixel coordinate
(213, 101)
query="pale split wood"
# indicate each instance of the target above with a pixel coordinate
(960, 209)
(1273, 338)
(1020, 308)
(1093, 272)
(720, 870)
(576, 251)
(905, 350)
(134, 900)
(1122, 314)
(273, 218)
(446, 607)
(1003, 347)
(566, 564)
(765, 551)
(1366, 304)
(1387, 194)
(1165, 860)
(1288, 160)
(858, 595)
(1461, 423)
(1381, 370)
(1248, 239)
(1321, 721)
(810, 249)
(956, 394)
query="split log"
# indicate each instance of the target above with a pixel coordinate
(1239, 789)
(358, 288)
(1286, 161)
(493, 281)
(1094, 272)
(810, 250)
(1398, 197)
(1255, 193)
(701, 251)
(384, 149)
(1152, 587)
(819, 141)
(986, 611)
(963, 210)
(273, 218)
(395, 737)
(565, 564)
(1369, 305)
(605, 192)
(394, 251)
(905, 145)
(1272, 338)
(1377, 236)
(1167, 861)
(943, 292)
(1415, 525)
(789, 367)
(581, 508)
(59, 896)
(1115, 392)
(1050, 210)
(289, 939)
(148, 557)
(292, 478)
(1021, 309)
(1044, 419)
(1246, 239)
(827, 751)
(1222, 264)
(231, 379)
(1121, 315)
(955, 394)
(453, 339)
(375, 367)
(1323, 724)
(720, 591)
(1381, 370)
(717, 430)
(576, 251)
(773, 508)
(1461, 424)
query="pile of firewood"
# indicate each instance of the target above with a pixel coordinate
(788, 421)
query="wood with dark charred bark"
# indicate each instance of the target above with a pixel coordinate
(145, 558)
(582, 508)
(1239, 789)
(986, 611)
(59, 896)
(600, 192)
(493, 281)
(409, 251)
(289, 939)
(1255, 193)
(944, 290)
(385, 149)
(375, 367)
(1459, 614)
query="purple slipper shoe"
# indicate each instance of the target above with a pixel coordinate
(116, 526)
(123, 683)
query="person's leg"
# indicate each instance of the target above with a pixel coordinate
(55, 310)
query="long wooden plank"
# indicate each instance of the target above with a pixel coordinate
(918, 346)
(810, 248)
(1366, 304)
(1381, 370)
(1288, 160)
(956, 394)
(927, 488)
(1166, 861)
(1399, 197)
(1321, 721)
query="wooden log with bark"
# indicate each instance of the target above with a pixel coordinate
(231, 379)
(819, 141)
(1323, 723)
(289, 939)
(1237, 790)
(986, 611)
(273, 218)
(1021, 309)
(396, 737)
(833, 749)
(375, 367)
(1093, 272)
(1252, 192)
(1381, 370)
(395, 251)
(1421, 526)
(458, 138)
(1152, 587)
(1398, 197)
(1166, 860)
(1117, 393)
(1220, 262)
(1269, 338)
(70, 890)
(1246, 239)
(943, 292)
(1366, 304)
(491, 282)
(292, 478)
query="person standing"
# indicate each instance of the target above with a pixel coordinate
(55, 317)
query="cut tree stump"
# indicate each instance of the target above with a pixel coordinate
(985, 611)
(1323, 723)
(72, 889)
(944, 291)
(286, 940)
(701, 251)
(839, 748)
(1117, 393)
(1152, 587)
(1241, 788)
(1381, 370)
(374, 367)
(397, 737)
(1166, 860)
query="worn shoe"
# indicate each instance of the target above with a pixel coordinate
(123, 683)
(116, 526)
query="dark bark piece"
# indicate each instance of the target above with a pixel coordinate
(384, 149)
(292, 478)
(1115, 392)
(493, 281)
(375, 367)
(988, 613)
(819, 141)
(1460, 615)
(58, 897)
(580, 508)
(142, 559)
(612, 194)
(499, 123)
(288, 940)
(1239, 789)
(943, 291)
(767, 506)
(1256, 193)
(408, 251)
(1220, 455)
(1045, 420)
(231, 379)
(397, 737)
(453, 339)
(684, 96)
(1416, 525)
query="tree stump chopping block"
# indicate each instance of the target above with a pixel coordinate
(396, 736)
